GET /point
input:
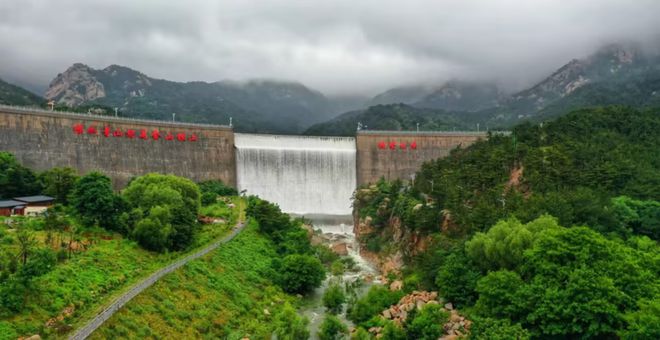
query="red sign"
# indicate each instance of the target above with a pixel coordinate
(79, 129)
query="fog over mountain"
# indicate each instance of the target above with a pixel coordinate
(339, 47)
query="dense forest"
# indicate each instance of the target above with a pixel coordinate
(550, 232)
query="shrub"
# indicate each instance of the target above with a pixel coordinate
(332, 329)
(334, 298)
(290, 326)
(494, 329)
(377, 299)
(301, 273)
(427, 323)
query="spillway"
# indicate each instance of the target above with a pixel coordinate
(303, 175)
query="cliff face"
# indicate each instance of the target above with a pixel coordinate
(77, 85)
(395, 242)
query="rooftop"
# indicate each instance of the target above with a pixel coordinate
(10, 204)
(34, 199)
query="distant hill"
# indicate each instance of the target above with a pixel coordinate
(614, 75)
(397, 117)
(258, 105)
(15, 95)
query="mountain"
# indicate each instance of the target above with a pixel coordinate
(256, 105)
(14, 95)
(453, 95)
(461, 96)
(397, 117)
(404, 95)
(614, 75)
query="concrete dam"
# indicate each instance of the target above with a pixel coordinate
(303, 174)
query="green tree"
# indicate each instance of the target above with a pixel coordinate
(640, 217)
(457, 279)
(94, 201)
(291, 326)
(58, 183)
(170, 206)
(334, 298)
(497, 329)
(217, 187)
(26, 244)
(643, 323)
(15, 179)
(503, 245)
(332, 329)
(427, 324)
(498, 294)
(301, 273)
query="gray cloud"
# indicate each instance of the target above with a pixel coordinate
(338, 47)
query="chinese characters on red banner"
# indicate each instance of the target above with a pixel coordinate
(155, 134)
(402, 145)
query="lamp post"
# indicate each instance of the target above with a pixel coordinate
(173, 116)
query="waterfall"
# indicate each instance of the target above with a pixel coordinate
(303, 175)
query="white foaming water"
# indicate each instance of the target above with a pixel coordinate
(303, 175)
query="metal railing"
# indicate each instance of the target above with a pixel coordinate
(427, 133)
(77, 115)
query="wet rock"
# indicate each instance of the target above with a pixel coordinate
(396, 285)
(340, 249)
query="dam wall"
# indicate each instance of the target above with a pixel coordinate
(119, 147)
(399, 154)
(303, 174)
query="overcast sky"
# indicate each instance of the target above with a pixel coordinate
(337, 47)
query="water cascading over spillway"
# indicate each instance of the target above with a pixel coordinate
(303, 175)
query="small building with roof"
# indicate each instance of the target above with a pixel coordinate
(11, 207)
(36, 205)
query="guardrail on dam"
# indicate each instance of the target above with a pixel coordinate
(123, 148)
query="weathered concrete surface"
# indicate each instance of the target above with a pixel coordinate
(42, 140)
(402, 163)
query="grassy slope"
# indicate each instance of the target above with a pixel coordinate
(91, 279)
(222, 295)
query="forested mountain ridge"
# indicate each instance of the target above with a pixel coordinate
(14, 95)
(257, 105)
(520, 230)
(394, 117)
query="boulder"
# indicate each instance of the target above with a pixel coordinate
(449, 306)
(340, 249)
(396, 285)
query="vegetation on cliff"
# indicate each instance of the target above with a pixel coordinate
(549, 232)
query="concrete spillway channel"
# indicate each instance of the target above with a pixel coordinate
(103, 316)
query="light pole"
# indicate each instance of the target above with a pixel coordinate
(173, 115)
(116, 112)
(417, 127)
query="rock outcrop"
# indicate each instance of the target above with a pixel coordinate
(455, 326)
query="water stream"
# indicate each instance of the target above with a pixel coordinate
(312, 177)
